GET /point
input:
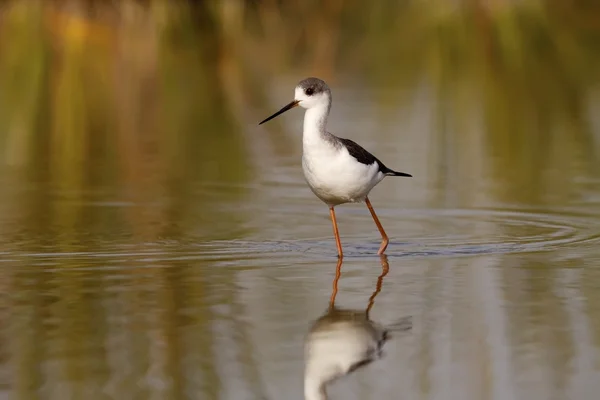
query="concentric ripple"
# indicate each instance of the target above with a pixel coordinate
(456, 232)
(426, 233)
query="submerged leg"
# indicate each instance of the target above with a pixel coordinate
(384, 237)
(385, 268)
(336, 233)
(338, 273)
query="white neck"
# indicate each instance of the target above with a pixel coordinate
(314, 389)
(315, 122)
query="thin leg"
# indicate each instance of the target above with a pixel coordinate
(385, 268)
(338, 273)
(384, 237)
(336, 233)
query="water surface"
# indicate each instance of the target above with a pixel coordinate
(157, 244)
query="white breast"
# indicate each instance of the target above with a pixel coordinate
(335, 176)
(331, 172)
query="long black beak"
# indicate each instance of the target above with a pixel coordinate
(284, 109)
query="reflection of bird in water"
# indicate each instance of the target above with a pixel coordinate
(342, 341)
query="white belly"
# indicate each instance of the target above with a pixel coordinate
(336, 177)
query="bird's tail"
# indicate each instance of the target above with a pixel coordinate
(402, 325)
(396, 173)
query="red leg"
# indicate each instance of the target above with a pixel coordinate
(338, 273)
(385, 268)
(336, 233)
(384, 237)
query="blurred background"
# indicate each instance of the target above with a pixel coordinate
(155, 243)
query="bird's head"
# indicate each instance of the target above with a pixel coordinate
(309, 93)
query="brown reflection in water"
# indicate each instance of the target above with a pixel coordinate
(137, 331)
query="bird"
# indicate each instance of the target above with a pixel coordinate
(337, 170)
(342, 341)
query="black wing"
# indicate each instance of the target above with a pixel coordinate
(362, 155)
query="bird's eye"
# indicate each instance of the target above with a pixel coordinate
(309, 91)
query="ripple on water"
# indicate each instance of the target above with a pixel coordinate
(438, 233)
(457, 232)
(464, 232)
